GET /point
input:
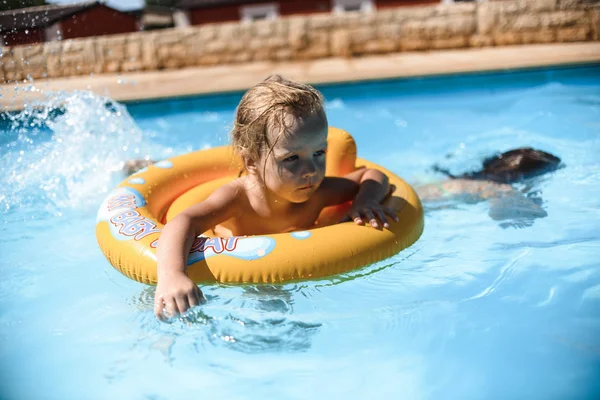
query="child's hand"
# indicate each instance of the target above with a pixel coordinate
(176, 293)
(370, 213)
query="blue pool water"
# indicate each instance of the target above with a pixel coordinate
(476, 309)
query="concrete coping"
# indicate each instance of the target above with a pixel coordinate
(238, 77)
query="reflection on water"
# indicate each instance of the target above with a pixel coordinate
(251, 319)
(471, 311)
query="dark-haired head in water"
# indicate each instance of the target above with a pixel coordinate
(511, 166)
(493, 182)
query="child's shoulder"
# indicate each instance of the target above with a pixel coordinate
(229, 193)
(234, 188)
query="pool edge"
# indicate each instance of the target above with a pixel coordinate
(189, 82)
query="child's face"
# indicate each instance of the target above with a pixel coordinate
(296, 166)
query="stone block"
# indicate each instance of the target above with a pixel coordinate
(379, 46)
(463, 25)
(228, 31)
(414, 13)
(338, 20)
(53, 66)
(132, 66)
(575, 34)
(207, 33)
(437, 27)
(281, 27)
(172, 63)
(9, 63)
(367, 19)
(216, 46)
(114, 52)
(149, 61)
(541, 5)
(486, 17)
(113, 40)
(242, 57)
(527, 22)
(112, 66)
(17, 57)
(262, 54)
(577, 4)
(133, 48)
(255, 44)
(13, 75)
(507, 38)
(478, 40)
(384, 17)
(52, 48)
(170, 38)
(246, 31)
(98, 67)
(178, 51)
(413, 29)
(319, 48)
(284, 54)
(35, 60)
(192, 56)
(298, 38)
(595, 18)
(455, 42)
(440, 28)
(275, 42)
(209, 59)
(340, 43)
(411, 44)
(321, 21)
(456, 9)
(349, 20)
(363, 34)
(389, 31)
(541, 36)
(35, 73)
(192, 39)
(563, 19)
(511, 6)
(264, 28)
(73, 45)
(239, 44)
(89, 52)
(32, 50)
(74, 64)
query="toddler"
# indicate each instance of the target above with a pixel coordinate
(280, 133)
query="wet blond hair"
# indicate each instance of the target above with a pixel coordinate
(260, 118)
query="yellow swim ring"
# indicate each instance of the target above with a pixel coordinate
(131, 218)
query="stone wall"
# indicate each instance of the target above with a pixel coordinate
(443, 26)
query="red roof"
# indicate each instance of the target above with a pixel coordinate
(42, 16)
(187, 4)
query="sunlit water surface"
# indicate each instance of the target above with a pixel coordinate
(476, 309)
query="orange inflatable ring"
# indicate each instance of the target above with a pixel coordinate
(131, 217)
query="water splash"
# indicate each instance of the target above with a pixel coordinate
(62, 152)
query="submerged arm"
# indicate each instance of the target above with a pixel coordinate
(175, 290)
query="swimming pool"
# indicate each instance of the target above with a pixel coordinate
(476, 309)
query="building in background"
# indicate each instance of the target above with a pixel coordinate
(58, 22)
(156, 17)
(200, 12)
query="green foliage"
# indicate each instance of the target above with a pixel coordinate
(14, 4)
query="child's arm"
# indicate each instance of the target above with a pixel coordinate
(174, 290)
(367, 188)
